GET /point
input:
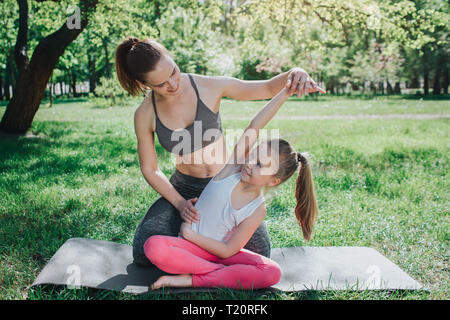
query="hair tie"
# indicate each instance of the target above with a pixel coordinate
(134, 42)
(301, 158)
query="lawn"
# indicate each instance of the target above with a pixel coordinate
(381, 183)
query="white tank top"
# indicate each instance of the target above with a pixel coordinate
(217, 217)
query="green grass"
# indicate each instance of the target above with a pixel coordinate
(380, 183)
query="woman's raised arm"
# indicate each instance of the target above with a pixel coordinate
(296, 80)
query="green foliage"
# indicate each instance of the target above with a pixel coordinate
(193, 40)
(109, 93)
(339, 42)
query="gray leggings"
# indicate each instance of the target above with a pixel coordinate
(164, 219)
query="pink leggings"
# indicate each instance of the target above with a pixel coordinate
(244, 270)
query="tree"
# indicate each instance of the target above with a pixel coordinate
(8, 13)
(32, 81)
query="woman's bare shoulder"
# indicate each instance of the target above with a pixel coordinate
(212, 82)
(144, 116)
(211, 89)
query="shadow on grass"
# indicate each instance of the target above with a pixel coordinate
(53, 292)
(36, 224)
(45, 157)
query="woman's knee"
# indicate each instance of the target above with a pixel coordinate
(161, 218)
(260, 241)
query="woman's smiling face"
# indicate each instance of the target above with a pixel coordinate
(165, 78)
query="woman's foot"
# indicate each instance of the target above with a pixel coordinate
(182, 280)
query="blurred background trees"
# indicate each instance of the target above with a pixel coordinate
(350, 46)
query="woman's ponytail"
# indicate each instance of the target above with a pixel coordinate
(127, 81)
(306, 210)
(134, 58)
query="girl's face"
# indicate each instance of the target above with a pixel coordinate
(261, 166)
(165, 79)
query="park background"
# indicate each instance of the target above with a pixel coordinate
(378, 139)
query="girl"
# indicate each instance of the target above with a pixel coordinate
(178, 100)
(231, 209)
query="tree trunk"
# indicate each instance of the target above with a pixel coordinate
(397, 89)
(389, 88)
(107, 64)
(21, 47)
(6, 88)
(67, 82)
(12, 71)
(437, 76)
(31, 84)
(92, 77)
(381, 87)
(415, 83)
(425, 70)
(445, 79)
(330, 87)
(73, 83)
(373, 88)
(426, 85)
(437, 81)
(51, 90)
(1, 87)
(7, 84)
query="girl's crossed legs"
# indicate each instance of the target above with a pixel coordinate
(244, 270)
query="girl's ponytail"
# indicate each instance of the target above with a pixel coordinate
(306, 210)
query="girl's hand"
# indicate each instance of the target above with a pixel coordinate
(188, 212)
(186, 230)
(301, 83)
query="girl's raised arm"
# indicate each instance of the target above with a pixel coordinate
(250, 135)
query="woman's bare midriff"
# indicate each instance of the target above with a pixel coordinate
(206, 162)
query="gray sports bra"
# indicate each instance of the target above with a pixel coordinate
(206, 129)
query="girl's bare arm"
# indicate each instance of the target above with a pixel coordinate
(238, 239)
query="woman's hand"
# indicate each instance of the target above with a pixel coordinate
(186, 230)
(301, 83)
(188, 212)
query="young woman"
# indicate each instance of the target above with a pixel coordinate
(231, 209)
(177, 102)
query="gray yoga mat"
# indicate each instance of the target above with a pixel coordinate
(107, 265)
